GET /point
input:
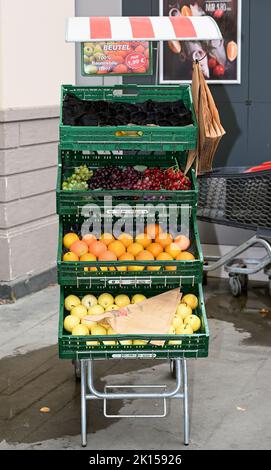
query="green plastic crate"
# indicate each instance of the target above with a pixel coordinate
(72, 202)
(74, 273)
(147, 138)
(75, 347)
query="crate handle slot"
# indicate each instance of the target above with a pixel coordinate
(129, 134)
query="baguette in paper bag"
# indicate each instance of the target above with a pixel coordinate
(152, 316)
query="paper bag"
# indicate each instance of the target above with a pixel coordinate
(210, 128)
(152, 316)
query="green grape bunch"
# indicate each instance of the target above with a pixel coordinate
(78, 180)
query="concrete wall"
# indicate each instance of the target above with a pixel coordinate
(32, 32)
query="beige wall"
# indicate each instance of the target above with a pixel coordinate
(34, 58)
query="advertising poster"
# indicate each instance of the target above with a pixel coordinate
(220, 60)
(116, 58)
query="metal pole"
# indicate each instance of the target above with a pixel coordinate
(185, 403)
(83, 404)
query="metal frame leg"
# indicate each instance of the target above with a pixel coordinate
(185, 403)
(83, 405)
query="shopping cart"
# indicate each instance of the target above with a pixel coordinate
(239, 197)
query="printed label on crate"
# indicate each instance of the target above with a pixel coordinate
(116, 58)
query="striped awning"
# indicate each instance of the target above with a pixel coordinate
(149, 28)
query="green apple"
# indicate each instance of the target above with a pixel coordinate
(193, 321)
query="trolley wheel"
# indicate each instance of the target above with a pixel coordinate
(77, 370)
(235, 286)
(172, 367)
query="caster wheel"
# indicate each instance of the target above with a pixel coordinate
(172, 366)
(235, 286)
(77, 370)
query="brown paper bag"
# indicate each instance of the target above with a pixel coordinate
(210, 128)
(152, 316)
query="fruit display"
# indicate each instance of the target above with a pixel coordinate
(78, 112)
(128, 178)
(185, 321)
(78, 180)
(151, 245)
(116, 58)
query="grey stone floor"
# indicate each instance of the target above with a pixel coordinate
(229, 391)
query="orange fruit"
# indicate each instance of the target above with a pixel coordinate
(173, 250)
(155, 249)
(166, 257)
(144, 255)
(89, 257)
(69, 239)
(183, 242)
(117, 247)
(143, 239)
(70, 256)
(164, 239)
(107, 238)
(104, 268)
(185, 256)
(153, 268)
(125, 257)
(134, 248)
(107, 256)
(89, 238)
(79, 247)
(126, 239)
(97, 248)
(153, 230)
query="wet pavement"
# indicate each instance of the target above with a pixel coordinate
(229, 391)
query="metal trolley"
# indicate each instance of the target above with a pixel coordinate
(238, 198)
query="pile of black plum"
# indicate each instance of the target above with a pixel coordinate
(77, 112)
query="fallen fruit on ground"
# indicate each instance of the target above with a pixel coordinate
(71, 322)
(71, 301)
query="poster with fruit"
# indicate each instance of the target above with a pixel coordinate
(220, 60)
(116, 58)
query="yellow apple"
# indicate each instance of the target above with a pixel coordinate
(70, 322)
(122, 300)
(105, 300)
(111, 307)
(71, 301)
(98, 330)
(89, 300)
(193, 321)
(171, 330)
(191, 300)
(183, 311)
(177, 321)
(88, 323)
(80, 330)
(95, 310)
(184, 330)
(138, 298)
(79, 311)
(139, 342)
(126, 342)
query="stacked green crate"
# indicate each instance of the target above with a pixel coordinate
(148, 146)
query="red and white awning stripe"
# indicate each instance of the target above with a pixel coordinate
(149, 28)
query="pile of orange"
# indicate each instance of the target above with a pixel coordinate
(152, 245)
